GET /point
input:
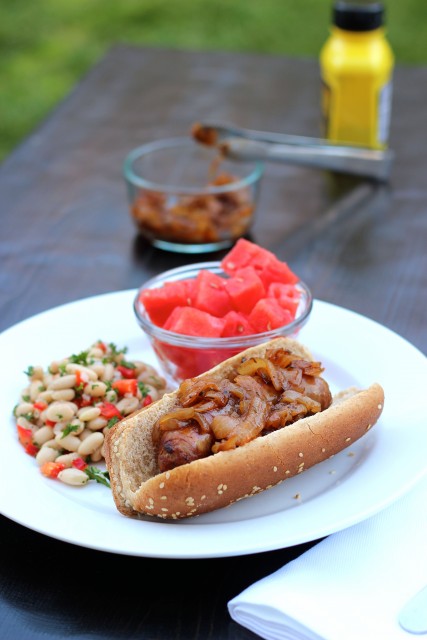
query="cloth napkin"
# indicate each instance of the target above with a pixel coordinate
(350, 586)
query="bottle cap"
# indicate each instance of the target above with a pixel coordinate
(362, 16)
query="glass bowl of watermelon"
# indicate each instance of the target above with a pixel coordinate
(185, 197)
(200, 314)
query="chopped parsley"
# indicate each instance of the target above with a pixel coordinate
(80, 358)
(69, 429)
(103, 477)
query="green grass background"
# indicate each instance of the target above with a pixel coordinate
(47, 45)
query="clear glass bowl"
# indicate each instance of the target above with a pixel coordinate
(181, 356)
(183, 197)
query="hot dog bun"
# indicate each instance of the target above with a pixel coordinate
(220, 479)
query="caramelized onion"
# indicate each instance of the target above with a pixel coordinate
(261, 395)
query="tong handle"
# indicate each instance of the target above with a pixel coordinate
(247, 144)
(353, 160)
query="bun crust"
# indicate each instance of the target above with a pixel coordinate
(227, 476)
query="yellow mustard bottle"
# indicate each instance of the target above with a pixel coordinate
(356, 64)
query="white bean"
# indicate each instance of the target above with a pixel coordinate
(97, 424)
(98, 367)
(52, 444)
(108, 372)
(45, 396)
(96, 456)
(96, 352)
(91, 443)
(69, 442)
(64, 395)
(24, 423)
(85, 434)
(127, 405)
(23, 408)
(96, 389)
(111, 396)
(63, 382)
(88, 413)
(60, 411)
(67, 458)
(38, 373)
(77, 425)
(85, 372)
(42, 435)
(46, 454)
(74, 477)
(35, 388)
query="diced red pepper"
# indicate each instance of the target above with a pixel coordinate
(109, 410)
(25, 435)
(32, 449)
(50, 423)
(51, 469)
(147, 400)
(101, 345)
(79, 379)
(82, 402)
(41, 406)
(126, 386)
(79, 463)
(127, 372)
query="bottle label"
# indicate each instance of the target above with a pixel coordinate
(384, 112)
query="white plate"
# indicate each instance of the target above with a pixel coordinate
(335, 494)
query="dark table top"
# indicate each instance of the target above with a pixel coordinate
(65, 234)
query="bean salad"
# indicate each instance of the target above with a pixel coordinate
(65, 411)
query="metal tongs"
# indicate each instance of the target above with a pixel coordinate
(246, 144)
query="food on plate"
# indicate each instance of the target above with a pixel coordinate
(195, 219)
(249, 423)
(65, 411)
(248, 293)
(257, 293)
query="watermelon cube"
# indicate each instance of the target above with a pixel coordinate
(236, 324)
(160, 302)
(245, 288)
(268, 314)
(211, 294)
(287, 295)
(268, 267)
(194, 322)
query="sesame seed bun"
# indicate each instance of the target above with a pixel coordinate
(227, 476)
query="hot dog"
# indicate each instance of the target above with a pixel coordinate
(249, 423)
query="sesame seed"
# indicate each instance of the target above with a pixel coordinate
(162, 485)
(203, 497)
(287, 472)
(164, 498)
(347, 439)
(167, 475)
(189, 501)
(380, 406)
(323, 449)
(368, 427)
(150, 500)
(165, 509)
(274, 469)
(301, 455)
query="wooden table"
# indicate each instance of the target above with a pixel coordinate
(66, 234)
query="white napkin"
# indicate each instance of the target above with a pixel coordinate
(350, 586)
